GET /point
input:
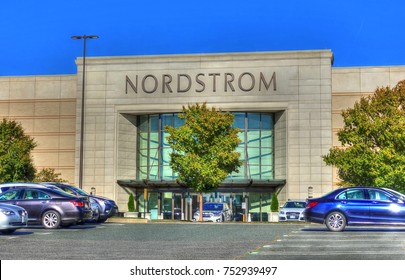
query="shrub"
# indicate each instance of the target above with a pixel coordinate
(274, 203)
(131, 203)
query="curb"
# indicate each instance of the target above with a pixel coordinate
(128, 220)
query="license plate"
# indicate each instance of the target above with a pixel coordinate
(293, 217)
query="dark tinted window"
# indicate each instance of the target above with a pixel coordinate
(351, 194)
(4, 189)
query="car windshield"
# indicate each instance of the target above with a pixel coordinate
(71, 189)
(295, 204)
(63, 193)
(79, 191)
(213, 206)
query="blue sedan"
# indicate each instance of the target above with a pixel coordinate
(357, 206)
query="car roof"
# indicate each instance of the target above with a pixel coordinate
(42, 188)
(362, 187)
(23, 184)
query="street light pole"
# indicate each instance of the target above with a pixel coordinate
(84, 37)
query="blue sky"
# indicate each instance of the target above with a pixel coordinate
(36, 33)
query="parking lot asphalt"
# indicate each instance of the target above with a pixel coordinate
(203, 241)
(111, 241)
(315, 242)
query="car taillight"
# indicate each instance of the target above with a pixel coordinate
(77, 203)
(312, 204)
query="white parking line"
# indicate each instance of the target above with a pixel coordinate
(368, 242)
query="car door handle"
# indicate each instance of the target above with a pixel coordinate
(343, 202)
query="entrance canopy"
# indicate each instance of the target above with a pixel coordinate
(247, 185)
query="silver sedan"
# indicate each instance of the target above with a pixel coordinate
(12, 217)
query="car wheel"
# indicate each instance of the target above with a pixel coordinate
(335, 221)
(51, 219)
(96, 216)
(7, 231)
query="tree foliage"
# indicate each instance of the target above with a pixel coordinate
(48, 175)
(15, 153)
(373, 141)
(204, 147)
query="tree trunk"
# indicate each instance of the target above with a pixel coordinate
(201, 207)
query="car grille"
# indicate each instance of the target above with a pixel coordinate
(292, 215)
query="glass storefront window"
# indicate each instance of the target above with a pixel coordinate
(256, 147)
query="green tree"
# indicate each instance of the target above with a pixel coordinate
(48, 175)
(373, 141)
(204, 148)
(15, 153)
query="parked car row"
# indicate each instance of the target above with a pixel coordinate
(56, 204)
(106, 207)
(51, 204)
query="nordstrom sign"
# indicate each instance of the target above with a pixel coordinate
(201, 82)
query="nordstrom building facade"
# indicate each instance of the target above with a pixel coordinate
(287, 105)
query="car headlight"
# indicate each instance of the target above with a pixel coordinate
(8, 212)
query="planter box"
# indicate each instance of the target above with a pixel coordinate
(273, 216)
(131, 214)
